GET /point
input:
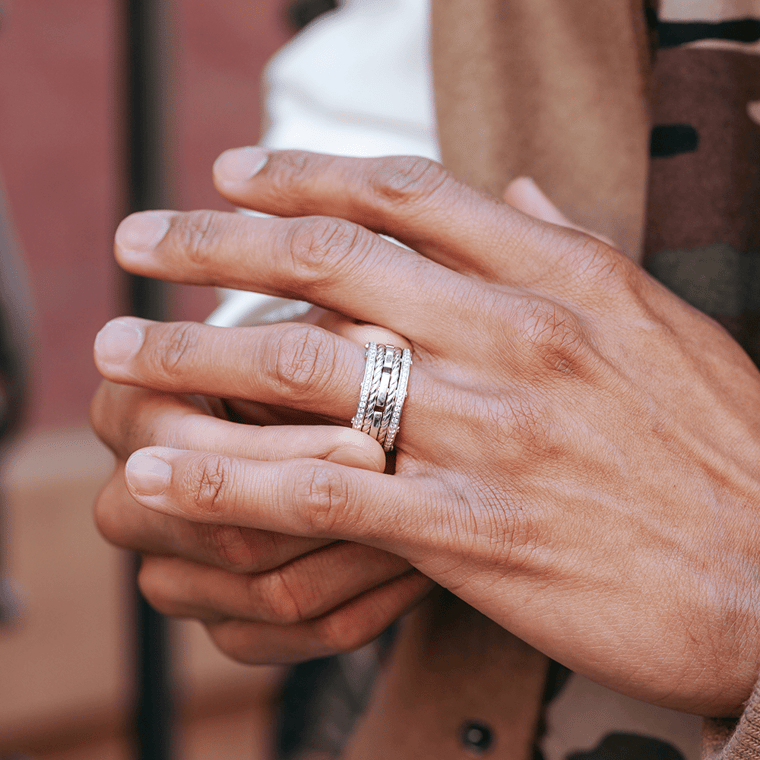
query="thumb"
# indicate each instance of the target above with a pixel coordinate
(526, 196)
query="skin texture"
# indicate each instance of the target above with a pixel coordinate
(578, 452)
(283, 598)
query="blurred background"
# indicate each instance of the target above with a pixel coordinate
(66, 628)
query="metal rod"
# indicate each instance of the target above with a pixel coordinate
(16, 340)
(146, 55)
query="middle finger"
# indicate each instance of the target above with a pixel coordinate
(329, 262)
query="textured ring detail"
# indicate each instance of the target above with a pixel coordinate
(403, 382)
(391, 398)
(370, 351)
(382, 394)
(374, 389)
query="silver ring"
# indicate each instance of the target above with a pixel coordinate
(370, 352)
(374, 389)
(391, 397)
(383, 390)
(403, 382)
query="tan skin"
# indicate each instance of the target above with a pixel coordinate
(283, 603)
(579, 451)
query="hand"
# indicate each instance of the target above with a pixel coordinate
(264, 596)
(578, 453)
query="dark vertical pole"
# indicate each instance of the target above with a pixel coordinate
(148, 63)
(16, 339)
(146, 121)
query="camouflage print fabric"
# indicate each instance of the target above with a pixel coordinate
(703, 228)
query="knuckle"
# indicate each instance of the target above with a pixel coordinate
(340, 634)
(153, 588)
(274, 597)
(109, 512)
(178, 340)
(287, 171)
(303, 358)
(195, 235)
(210, 483)
(237, 641)
(229, 547)
(595, 262)
(408, 180)
(551, 333)
(323, 495)
(505, 532)
(528, 424)
(319, 246)
(105, 516)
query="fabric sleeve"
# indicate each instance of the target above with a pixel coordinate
(553, 90)
(725, 739)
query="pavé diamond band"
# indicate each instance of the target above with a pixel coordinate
(386, 375)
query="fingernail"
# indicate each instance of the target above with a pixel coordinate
(355, 449)
(118, 341)
(147, 475)
(352, 456)
(143, 231)
(240, 164)
(525, 184)
(529, 185)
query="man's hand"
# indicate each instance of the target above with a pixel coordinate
(265, 597)
(578, 455)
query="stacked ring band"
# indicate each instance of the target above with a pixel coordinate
(383, 391)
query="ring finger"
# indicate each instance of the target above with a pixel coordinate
(299, 366)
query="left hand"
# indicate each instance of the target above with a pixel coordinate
(578, 456)
(264, 597)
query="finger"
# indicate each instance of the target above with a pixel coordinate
(126, 523)
(329, 262)
(351, 626)
(421, 204)
(308, 587)
(526, 196)
(300, 366)
(357, 332)
(128, 418)
(361, 333)
(298, 497)
(413, 199)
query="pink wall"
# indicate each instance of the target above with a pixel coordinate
(57, 143)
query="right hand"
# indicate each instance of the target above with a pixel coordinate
(264, 597)
(579, 448)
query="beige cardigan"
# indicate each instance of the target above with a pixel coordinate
(556, 90)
